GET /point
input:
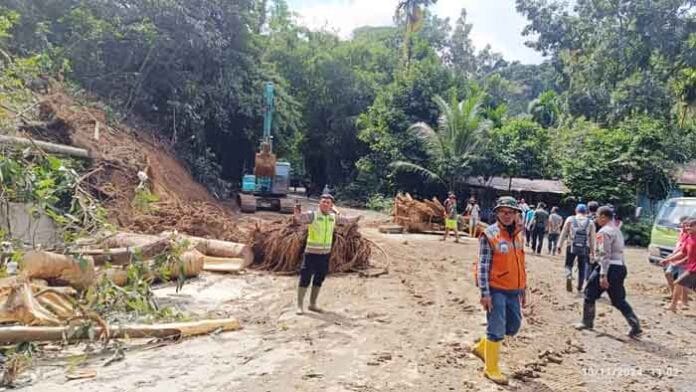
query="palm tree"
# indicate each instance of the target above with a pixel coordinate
(412, 12)
(459, 139)
(545, 110)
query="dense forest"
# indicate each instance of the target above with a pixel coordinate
(414, 106)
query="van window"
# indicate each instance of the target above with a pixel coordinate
(675, 209)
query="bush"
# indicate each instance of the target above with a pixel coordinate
(380, 203)
(637, 233)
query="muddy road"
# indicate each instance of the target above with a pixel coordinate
(408, 330)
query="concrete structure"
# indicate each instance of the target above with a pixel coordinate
(24, 222)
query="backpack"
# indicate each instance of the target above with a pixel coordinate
(580, 246)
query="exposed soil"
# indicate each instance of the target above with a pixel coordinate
(405, 331)
(120, 153)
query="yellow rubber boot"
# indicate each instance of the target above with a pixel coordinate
(492, 370)
(479, 349)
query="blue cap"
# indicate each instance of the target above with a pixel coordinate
(581, 208)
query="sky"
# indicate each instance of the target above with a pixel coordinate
(496, 22)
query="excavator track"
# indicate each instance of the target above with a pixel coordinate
(247, 203)
(287, 205)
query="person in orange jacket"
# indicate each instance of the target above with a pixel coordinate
(502, 279)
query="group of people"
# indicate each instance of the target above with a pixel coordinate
(680, 266)
(472, 213)
(593, 239)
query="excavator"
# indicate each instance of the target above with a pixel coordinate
(267, 188)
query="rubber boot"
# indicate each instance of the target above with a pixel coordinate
(636, 331)
(313, 299)
(479, 349)
(491, 368)
(588, 316)
(569, 280)
(301, 291)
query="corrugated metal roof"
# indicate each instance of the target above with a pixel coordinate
(519, 184)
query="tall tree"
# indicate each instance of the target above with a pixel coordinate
(546, 109)
(411, 14)
(461, 54)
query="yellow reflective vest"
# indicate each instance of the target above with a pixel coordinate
(320, 234)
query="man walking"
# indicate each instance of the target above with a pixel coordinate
(539, 222)
(474, 212)
(451, 218)
(579, 230)
(317, 253)
(554, 230)
(609, 276)
(502, 279)
(528, 218)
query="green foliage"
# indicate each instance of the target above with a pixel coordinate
(136, 299)
(143, 199)
(521, 148)
(380, 203)
(614, 165)
(637, 233)
(7, 20)
(546, 109)
(52, 186)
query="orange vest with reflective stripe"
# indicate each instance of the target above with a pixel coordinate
(507, 267)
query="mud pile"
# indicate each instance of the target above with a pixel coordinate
(120, 153)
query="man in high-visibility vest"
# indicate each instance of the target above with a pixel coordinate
(317, 253)
(502, 279)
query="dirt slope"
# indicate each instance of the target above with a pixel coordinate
(120, 152)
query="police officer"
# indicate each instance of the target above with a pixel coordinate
(315, 265)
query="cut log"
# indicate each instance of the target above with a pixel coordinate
(220, 264)
(46, 146)
(17, 334)
(208, 247)
(191, 265)
(118, 276)
(124, 256)
(124, 240)
(225, 249)
(59, 269)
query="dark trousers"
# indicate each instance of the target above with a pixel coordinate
(538, 238)
(553, 242)
(617, 292)
(583, 266)
(528, 236)
(314, 269)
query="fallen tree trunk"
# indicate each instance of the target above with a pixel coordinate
(124, 256)
(17, 334)
(217, 248)
(123, 240)
(58, 269)
(208, 247)
(46, 146)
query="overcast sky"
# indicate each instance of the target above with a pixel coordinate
(496, 22)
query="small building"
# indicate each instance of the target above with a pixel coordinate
(487, 190)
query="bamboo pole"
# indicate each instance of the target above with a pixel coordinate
(17, 334)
